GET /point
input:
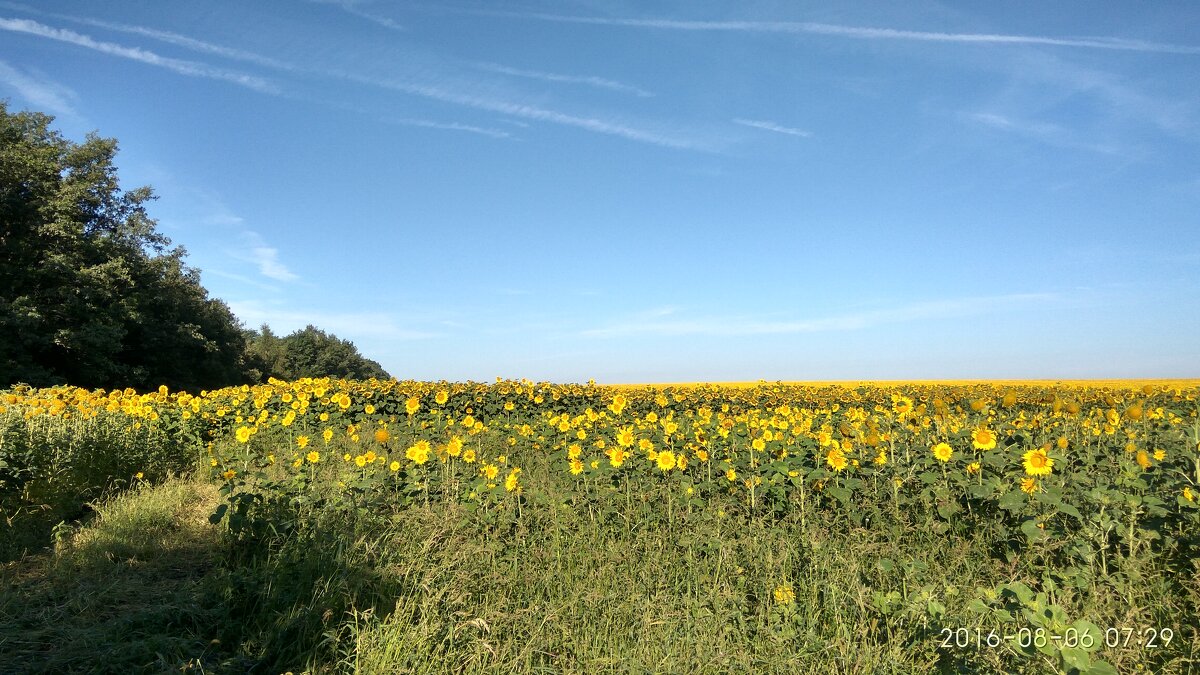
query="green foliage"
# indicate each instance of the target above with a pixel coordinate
(51, 467)
(90, 293)
(310, 352)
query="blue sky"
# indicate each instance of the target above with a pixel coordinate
(662, 192)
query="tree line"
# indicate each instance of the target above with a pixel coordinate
(91, 294)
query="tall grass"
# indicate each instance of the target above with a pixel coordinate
(595, 572)
(52, 466)
(562, 586)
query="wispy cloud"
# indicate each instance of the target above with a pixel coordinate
(182, 67)
(589, 80)
(1173, 112)
(266, 258)
(1045, 132)
(865, 33)
(167, 37)
(772, 126)
(447, 126)
(440, 92)
(743, 325)
(346, 325)
(268, 263)
(241, 279)
(353, 7)
(38, 91)
(531, 112)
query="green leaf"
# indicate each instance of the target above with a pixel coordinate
(1032, 531)
(978, 606)
(219, 514)
(1100, 668)
(1013, 501)
(1070, 511)
(1085, 627)
(1049, 495)
(936, 609)
(948, 509)
(1075, 657)
(839, 493)
(1023, 593)
(981, 491)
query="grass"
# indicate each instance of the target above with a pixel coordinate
(128, 592)
(332, 569)
(567, 585)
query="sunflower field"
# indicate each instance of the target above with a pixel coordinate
(1078, 506)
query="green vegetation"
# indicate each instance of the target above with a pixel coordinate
(375, 526)
(381, 549)
(93, 295)
(310, 352)
(440, 589)
(52, 468)
(90, 293)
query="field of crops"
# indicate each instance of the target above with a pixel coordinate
(1076, 506)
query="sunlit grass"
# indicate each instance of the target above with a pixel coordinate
(519, 527)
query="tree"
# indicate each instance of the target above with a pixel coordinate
(90, 292)
(310, 352)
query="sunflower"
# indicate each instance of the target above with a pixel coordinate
(625, 437)
(616, 457)
(836, 459)
(1143, 459)
(510, 481)
(665, 460)
(1029, 485)
(1038, 463)
(983, 439)
(418, 453)
(943, 452)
